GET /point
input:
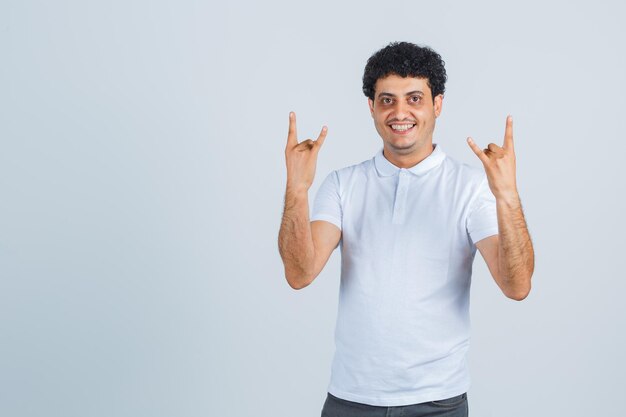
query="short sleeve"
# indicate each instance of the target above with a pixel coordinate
(327, 203)
(482, 220)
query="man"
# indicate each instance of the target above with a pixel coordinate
(409, 222)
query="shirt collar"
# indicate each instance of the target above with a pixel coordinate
(386, 168)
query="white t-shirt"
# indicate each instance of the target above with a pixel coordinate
(407, 247)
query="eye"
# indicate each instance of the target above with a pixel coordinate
(386, 100)
(415, 99)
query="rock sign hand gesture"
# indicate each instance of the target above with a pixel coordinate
(301, 157)
(499, 163)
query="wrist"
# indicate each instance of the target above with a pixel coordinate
(297, 189)
(510, 199)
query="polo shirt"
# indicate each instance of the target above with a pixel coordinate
(408, 241)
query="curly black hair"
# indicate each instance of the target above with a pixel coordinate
(406, 60)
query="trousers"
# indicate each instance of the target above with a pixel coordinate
(450, 407)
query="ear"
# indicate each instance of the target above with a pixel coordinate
(438, 104)
(371, 106)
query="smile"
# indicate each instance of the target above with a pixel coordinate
(402, 128)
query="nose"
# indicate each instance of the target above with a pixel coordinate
(401, 110)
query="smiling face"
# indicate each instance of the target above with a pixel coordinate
(404, 115)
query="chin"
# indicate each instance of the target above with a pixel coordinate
(402, 142)
(402, 148)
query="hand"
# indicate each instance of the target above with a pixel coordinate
(301, 157)
(499, 163)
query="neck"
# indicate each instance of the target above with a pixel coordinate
(411, 159)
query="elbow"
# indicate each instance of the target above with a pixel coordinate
(298, 285)
(517, 286)
(519, 294)
(298, 282)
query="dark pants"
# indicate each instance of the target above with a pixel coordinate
(451, 407)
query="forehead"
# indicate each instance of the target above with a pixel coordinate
(396, 85)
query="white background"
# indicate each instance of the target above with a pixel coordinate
(142, 179)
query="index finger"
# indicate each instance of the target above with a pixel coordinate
(508, 133)
(479, 153)
(292, 137)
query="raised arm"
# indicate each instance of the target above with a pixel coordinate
(304, 246)
(509, 255)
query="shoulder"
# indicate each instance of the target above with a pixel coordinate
(346, 178)
(463, 173)
(354, 172)
(360, 167)
(466, 182)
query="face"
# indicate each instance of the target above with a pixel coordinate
(404, 113)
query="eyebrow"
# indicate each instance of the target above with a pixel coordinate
(384, 94)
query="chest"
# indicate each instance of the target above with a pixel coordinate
(403, 214)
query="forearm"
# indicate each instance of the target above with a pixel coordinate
(295, 241)
(516, 259)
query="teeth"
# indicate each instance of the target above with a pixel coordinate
(401, 127)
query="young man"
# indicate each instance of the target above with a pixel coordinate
(409, 222)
